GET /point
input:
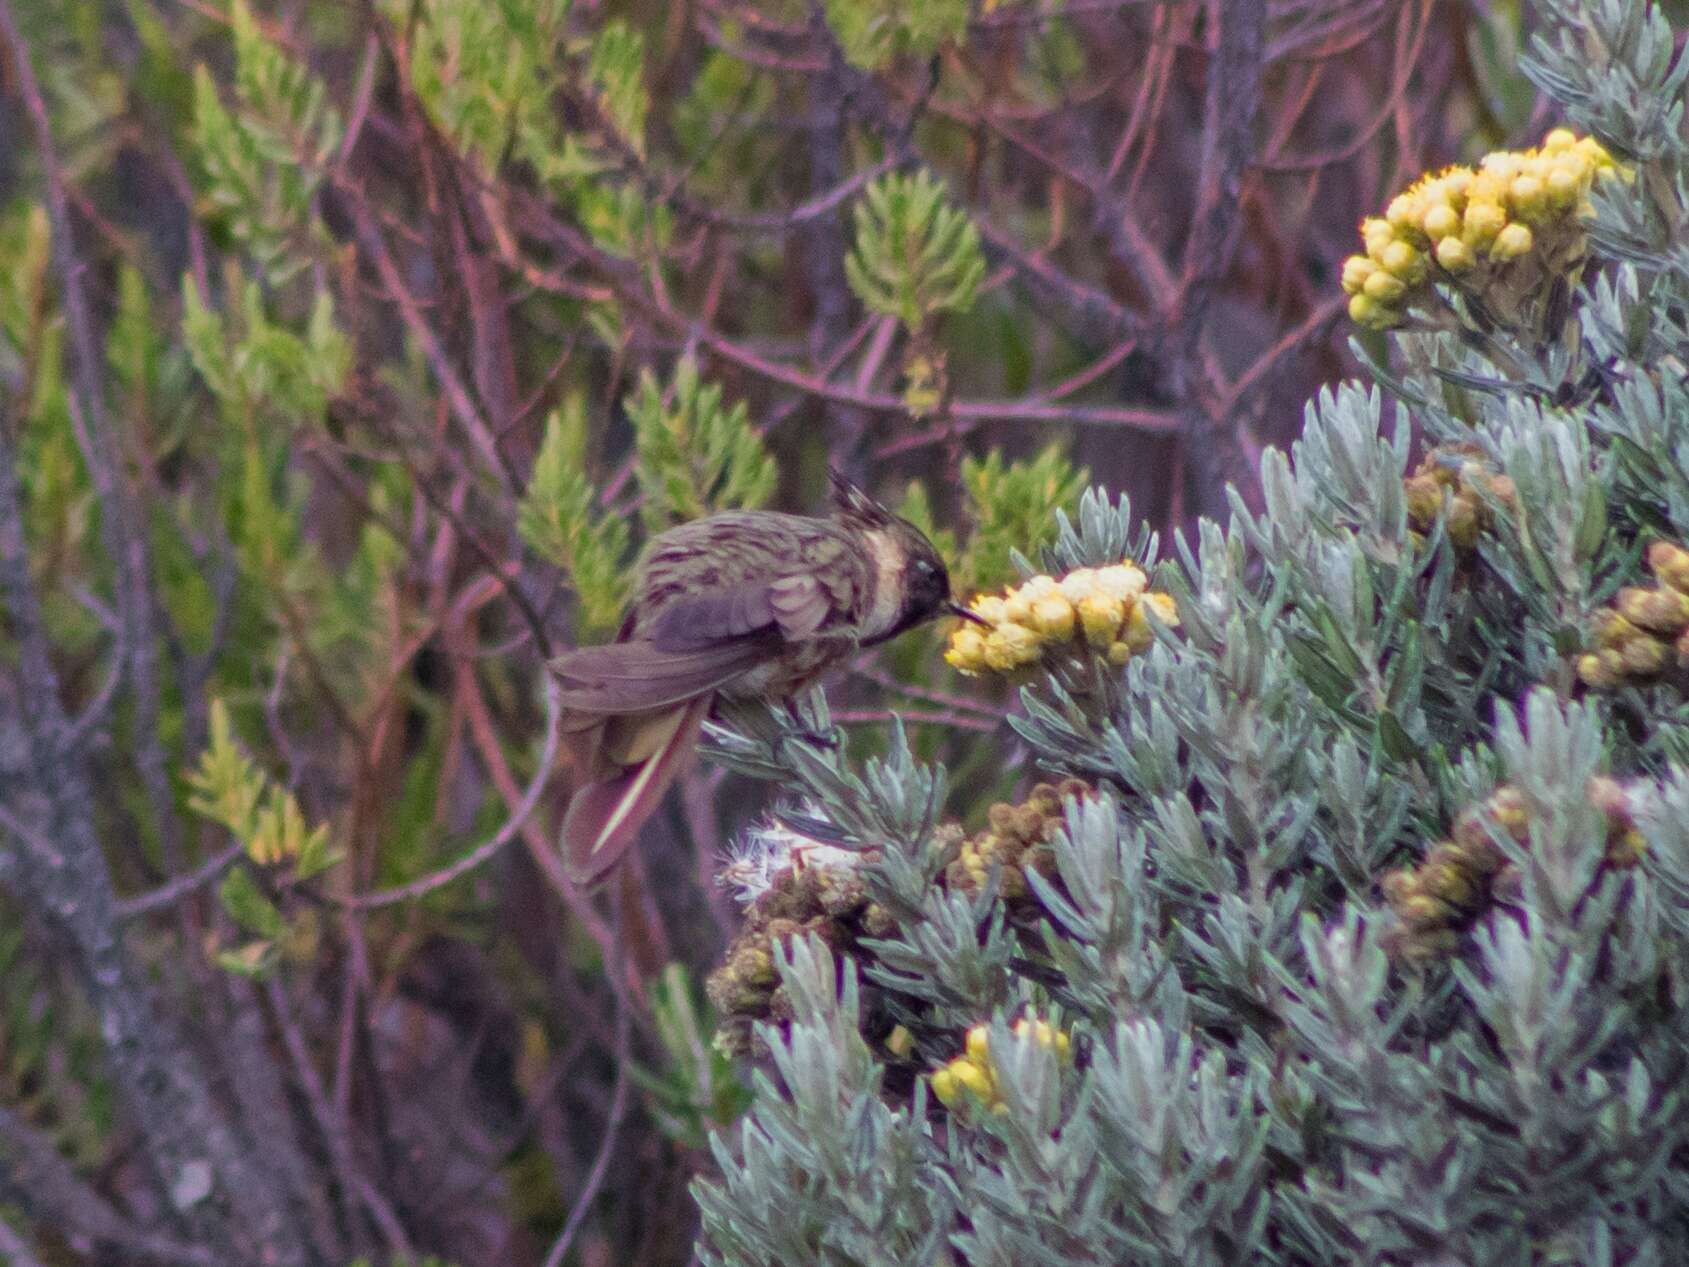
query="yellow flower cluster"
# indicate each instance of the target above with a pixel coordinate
(973, 1075)
(1015, 841)
(1459, 472)
(1646, 630)
(1463, 876)
(1476, 221)
(1101, 608)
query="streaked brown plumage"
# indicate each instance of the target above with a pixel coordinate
(747, 604)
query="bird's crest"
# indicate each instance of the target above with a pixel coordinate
(850, 501)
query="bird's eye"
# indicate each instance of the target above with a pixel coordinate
(923, 567)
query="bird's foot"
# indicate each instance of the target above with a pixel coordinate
(827, 740)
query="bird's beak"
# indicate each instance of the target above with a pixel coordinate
(962, 613)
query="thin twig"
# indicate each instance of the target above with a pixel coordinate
(169, 894)
(34, 1175)
(14, 1249)
(606, 1147)
(475, 857)
(334, 1129)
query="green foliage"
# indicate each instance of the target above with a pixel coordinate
(264, 160)
(698, 1090)
(229, 790)
(51, 1070)
(873, 33)
(915, 255)
(621, 219)
(266, 820)
(253, 364)
(1013, 507)
(26, 240)
(696, 456)
(486, 73)
(616, 71)
(557, 519)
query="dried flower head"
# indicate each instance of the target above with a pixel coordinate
(1644, 632)
(1461, 878)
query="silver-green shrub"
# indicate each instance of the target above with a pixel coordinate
(1368, 927)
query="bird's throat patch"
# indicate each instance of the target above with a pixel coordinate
(887, 604)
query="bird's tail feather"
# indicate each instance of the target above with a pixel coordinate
(604, 817)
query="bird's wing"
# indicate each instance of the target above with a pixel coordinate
(639, 677)
(790, 607)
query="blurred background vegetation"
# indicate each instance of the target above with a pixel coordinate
(348, 351)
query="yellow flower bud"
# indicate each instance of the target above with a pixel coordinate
(1512, 242)
(1558, 140)
(1010, 646)
(1644, 657)
(979, 1044)
(1402, 261)
(1423, 496)
(1138, 634)
(1383, 287)
(1503, 164)
(1078, 584)
(1356, 269)
(1422, 908)
(972, 1077)
(1511, 811)
(1465, 522)
(1594, 673)
(1376, 232)
(1594, 151)
(1482, 222)
(1449, 883)
(1670, 562)
(967, 649)
(1661, 610)
(1366, 311)
(1052, 618)
(1017, 607)
(1100, 616)
(1040, 586)
(944, 1086)
(1120, 652)
(1613, 630)
(1441, 221)
(1456, 182)
(1565, 183)
(1400, 213)
(989, 607)
(1121, 580)
(1454, 255)
(1399, 885)
(1166, 610)
(1527, 195)
(1628, 849)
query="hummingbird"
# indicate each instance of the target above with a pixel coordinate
(741, 604)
